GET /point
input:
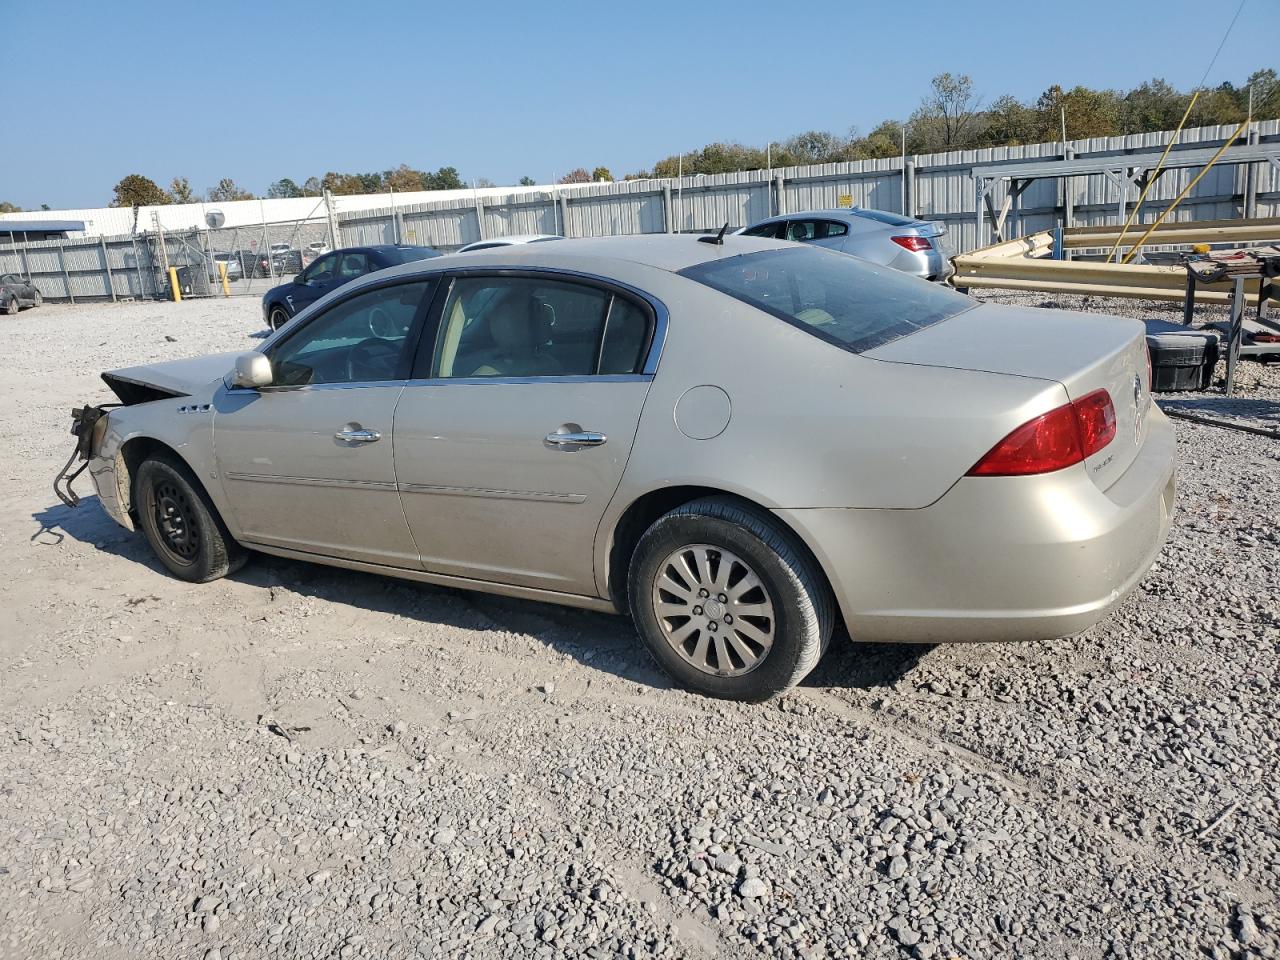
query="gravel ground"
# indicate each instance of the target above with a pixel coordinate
(304, 762)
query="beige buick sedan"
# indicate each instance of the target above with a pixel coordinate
(740, 441)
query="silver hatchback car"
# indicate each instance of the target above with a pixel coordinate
(740, 442)
(917, 247)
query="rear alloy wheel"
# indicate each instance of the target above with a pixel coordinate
(181, 524)
(38, 299)
(728, 602)
(277, 318)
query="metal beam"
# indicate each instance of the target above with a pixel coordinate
(1243, 153)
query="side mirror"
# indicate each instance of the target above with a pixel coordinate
(300, 279)
(252, 370)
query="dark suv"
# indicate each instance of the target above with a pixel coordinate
(330, 271)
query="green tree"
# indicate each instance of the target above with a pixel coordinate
(1154, 105)
(1090, 113)
(180, 190)
(312, 187)
(284, 188)
(1010, 121)
(815, 146)
(602, 174)
(135, 189)
(227, 190)
(528, 182)
(446, 178)
(45, 206)
(7, 207)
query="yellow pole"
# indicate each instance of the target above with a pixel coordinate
(1185, 190)
(222, 274)
(1151, 178)
(173, 284)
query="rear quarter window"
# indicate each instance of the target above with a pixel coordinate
(848, 302)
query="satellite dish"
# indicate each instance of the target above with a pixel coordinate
(215, 219)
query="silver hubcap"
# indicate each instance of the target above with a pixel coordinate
(714, 611)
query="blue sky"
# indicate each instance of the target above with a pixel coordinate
(266, 89)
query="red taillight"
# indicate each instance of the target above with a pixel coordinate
(914, 244)
(1054, 440)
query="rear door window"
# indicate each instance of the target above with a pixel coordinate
(534, 327)
(848, 302)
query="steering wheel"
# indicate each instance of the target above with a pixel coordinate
(372, 359)
(381, 325)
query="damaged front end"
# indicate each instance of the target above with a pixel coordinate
(88, 424)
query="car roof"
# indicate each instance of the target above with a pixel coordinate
(884, 217)
(664, 251)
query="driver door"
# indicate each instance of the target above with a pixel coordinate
(306, 463)
(317, 280)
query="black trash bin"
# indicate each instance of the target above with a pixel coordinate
(185, 281)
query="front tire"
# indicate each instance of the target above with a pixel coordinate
(11, 307)
(37, 299)
(728, 602)
(181, 523)
(277, 318)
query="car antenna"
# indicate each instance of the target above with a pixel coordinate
(718, 239)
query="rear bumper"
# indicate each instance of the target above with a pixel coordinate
(927, 264)
(998, 558)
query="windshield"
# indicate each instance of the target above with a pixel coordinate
(846, 301)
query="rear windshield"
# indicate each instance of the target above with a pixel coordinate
(880, 216)
(849, 302)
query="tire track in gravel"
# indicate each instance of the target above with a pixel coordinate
(929, 741)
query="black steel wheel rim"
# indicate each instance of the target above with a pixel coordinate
(176, 522)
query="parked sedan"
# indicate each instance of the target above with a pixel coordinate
(16, 293)
(330, 271)
(235, 270)
(912, 246)
(739, 442)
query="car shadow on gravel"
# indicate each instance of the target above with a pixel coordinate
(598, 641)
(865, 666)
(89, 523)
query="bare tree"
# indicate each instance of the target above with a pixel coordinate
(953, 105)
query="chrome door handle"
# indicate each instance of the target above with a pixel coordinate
(582, 438)
(357, 435)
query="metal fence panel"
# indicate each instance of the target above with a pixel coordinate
(943, 189)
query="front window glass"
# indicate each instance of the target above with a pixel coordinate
(849, 302)
(358, 340)
(526, 327)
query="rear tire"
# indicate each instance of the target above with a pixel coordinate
(11, 307)
(703, 561)
(38, 299)
(277, 318)
(181, 523)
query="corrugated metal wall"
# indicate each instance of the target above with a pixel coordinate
(944, 189)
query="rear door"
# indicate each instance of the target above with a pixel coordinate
(307, 462)
(512, 439)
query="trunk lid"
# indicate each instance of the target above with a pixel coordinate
(1082, 351)
(173, 378)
